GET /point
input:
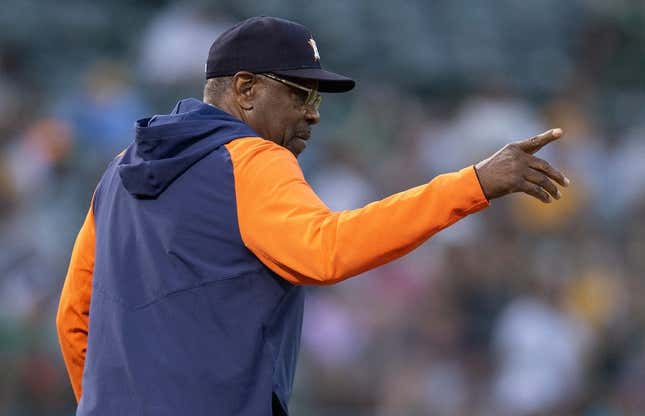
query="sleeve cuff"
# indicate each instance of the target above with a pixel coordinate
(473, 192)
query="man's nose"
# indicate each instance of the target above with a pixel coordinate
(312, 115)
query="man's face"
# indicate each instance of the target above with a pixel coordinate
(280, 114)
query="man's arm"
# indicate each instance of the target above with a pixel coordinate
(284, 223)
(72, 320)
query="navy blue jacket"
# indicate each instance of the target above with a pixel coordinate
(184, 319)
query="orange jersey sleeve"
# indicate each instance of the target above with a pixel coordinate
(72, 319)
(284, 223)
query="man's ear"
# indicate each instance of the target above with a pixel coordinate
(244, 89)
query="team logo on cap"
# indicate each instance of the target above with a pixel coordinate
(312, 43)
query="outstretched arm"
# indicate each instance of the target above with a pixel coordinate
(284, 223)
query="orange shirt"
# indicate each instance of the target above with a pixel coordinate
(72, 319)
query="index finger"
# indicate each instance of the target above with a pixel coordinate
(535, 143)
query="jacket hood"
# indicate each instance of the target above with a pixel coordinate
(165, 146)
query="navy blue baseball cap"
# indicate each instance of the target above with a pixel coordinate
(269, 44)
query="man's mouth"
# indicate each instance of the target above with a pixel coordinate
(298, 143)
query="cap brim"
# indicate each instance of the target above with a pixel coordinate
(327, 81)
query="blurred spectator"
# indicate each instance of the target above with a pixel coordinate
(482, 125)
(175, 45)
(103, 112)
(541, 353)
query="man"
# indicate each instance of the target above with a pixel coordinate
(184, 292)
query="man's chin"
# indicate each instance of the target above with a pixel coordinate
(296, 146)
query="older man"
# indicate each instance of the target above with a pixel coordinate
(184, 292)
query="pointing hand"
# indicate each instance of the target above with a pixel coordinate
(514, 169)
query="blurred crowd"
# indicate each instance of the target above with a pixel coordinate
(524, 309)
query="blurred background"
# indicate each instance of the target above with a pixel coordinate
(523, 309)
